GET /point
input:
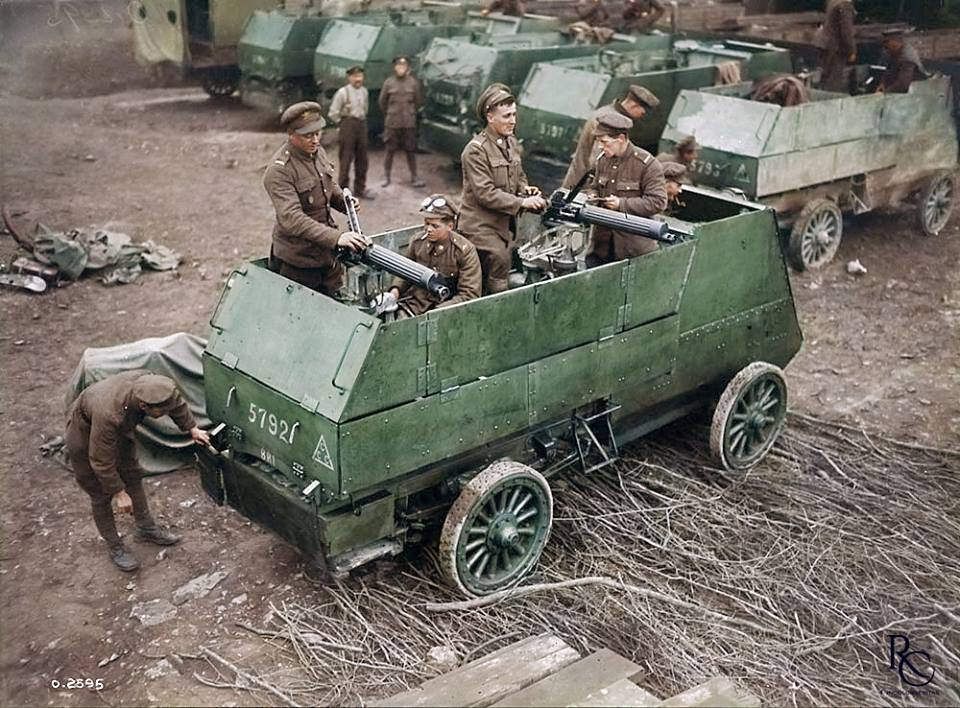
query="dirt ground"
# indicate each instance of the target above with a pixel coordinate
(168, 164)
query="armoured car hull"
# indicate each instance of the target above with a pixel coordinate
(834, 155)
(352, 437)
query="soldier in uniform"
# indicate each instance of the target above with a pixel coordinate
(903, 65)
(673, 174)
(635, 104)
(641, 15)
(685, 153)
(630, 180)
(349, 110)
(299, 181)
(99, 446)
(400, 99)
(515, 8)
(495, 187)
(593, 12)
(838, 44)
(443, 250)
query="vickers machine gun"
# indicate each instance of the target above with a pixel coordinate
(393, 263)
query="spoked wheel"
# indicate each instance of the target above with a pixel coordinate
(496, 529)
(220, 83)
(816, 234)
(749, 416)
(936, 204)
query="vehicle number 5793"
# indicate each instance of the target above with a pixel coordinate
(276, 426)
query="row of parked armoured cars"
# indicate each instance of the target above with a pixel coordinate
(354, 438)
(813, 163)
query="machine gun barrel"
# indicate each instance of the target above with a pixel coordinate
(563, 210)
(393, 263)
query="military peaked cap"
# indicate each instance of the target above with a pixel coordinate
(688, 143)
(491, 97)
(643, 96)
(354, 70)
(401, 58)
(154, 390)
(673, 171)
(611, 122)
(438, 205)
(303, 118)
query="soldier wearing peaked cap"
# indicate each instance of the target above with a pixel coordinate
(641, 15)
(628, 179)
(495, 187)
(299, 181)
(903, 65)
(348, 109)
(99, 446)
(400, 98)
(443, 250)
(685, 153)
(674, 175)
(635, 104)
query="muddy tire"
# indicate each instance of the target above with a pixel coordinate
(815, 236)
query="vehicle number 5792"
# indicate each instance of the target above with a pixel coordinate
(276, 426)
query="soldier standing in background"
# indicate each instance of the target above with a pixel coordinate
(400, 99)
(299, 181)
(349, 110)
(444, 250)
(903, 65)
(593, 12)
(100, 448)
(629, 180)
(838, 45)
(495, 187)
(685, 153)
(515, 8)
(641, 15)
(634, 105)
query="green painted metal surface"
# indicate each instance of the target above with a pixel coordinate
(558, 96)
(279, 45)
(455, 70)
(385, 411)
(767, 150)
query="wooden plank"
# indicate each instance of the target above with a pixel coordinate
(574, 682)
(487, 680)
(715, 693)
(621, 693)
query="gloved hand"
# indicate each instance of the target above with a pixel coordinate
(384, 302)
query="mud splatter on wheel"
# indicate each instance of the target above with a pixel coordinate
(936, 204)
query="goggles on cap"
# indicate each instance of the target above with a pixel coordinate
(431, 204)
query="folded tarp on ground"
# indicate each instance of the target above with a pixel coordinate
(161, 446)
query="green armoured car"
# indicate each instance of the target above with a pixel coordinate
(199, 37)
(352, 437)
(559, 96)
(454, 71)
(833, 155)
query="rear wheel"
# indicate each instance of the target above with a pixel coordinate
(749, 416)
(220, 83)
(496, 529)
(936, 204)
(815, 236)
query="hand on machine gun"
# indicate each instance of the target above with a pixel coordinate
(533, 199)
(385, 302)
(353, 241)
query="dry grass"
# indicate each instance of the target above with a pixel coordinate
(788, 579)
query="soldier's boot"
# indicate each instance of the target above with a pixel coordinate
(412, 165)
(147, 528)
(103, 518)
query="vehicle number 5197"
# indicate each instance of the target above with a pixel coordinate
(276, 426)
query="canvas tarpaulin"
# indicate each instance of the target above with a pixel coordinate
(161, 446)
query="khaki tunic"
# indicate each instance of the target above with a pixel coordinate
(642, 15)
(593, 13)
(902, 70)
(399, 100)
(455, 259)
(585, 156)
(637, 178)
(99, 435)
(303, 191)
(838, 43)
(493, 181)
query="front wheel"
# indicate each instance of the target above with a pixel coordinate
(936, 204)
(220, 83)
(749, 416)
(496, 529)
(815, 236)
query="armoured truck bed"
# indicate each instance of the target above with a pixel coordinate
(352, 437)
(834, 154)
